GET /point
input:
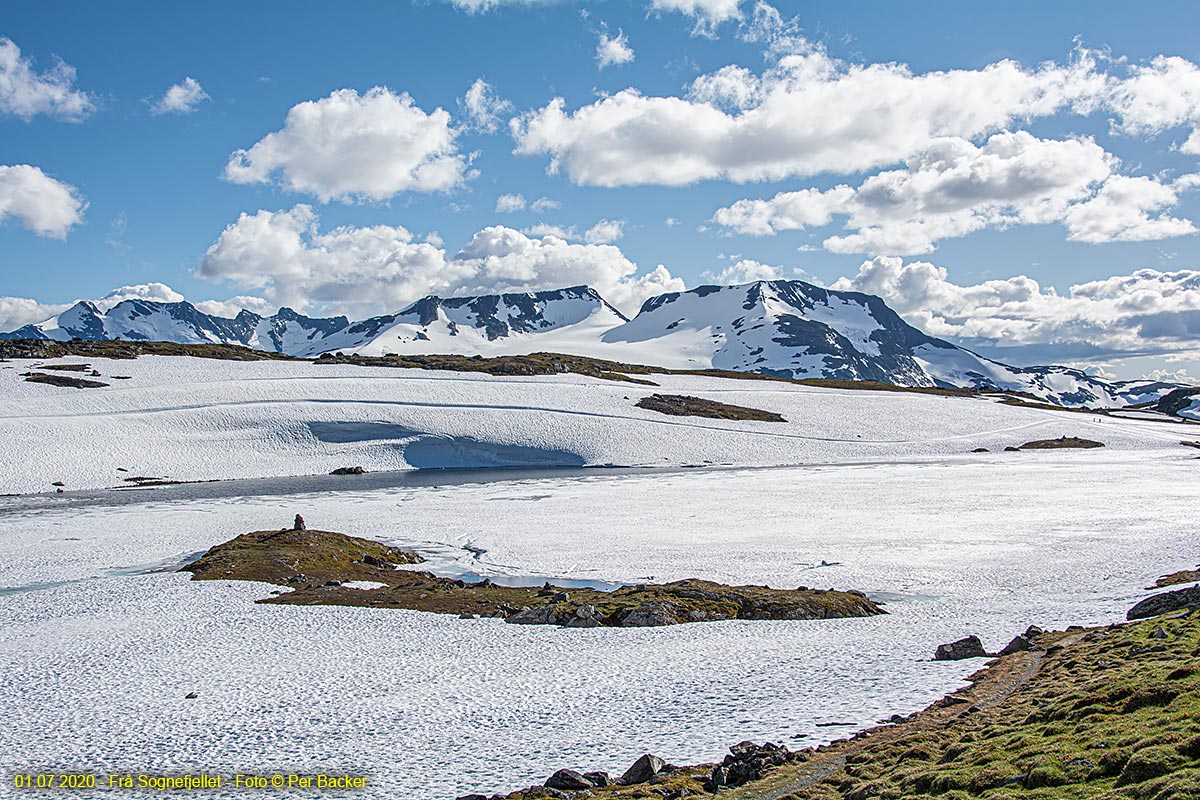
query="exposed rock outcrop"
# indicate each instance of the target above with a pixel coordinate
(969, 647)
(1165, 603)
(1062, 443)
(747, 762)
(678, 405)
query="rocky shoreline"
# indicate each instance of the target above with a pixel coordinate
(325, 568)
(1110, 711)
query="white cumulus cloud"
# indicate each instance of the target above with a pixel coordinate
(356, 147)
(284, 257)
(156, 292)
(1122, 212)
(709, 14)
(17, 312)
(613, 50)
(605, 231)
(235, 305)
(481, 6)
(1147, 311)
(747, 270)
(41, 204)
(508, 203)
(952, 188)
(807, 114)
(182, 98)
(1157, 97)
(25, 92)
(483, 108)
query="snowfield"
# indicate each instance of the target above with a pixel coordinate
(97, 656)
(100, 637)
(197, 419)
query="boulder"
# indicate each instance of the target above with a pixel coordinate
(746, 762)
(542, 615)
(1165, 603)
(649, 615)
(348, 471)
(298, 524)
(1017, 645)
(598, 778)
(970, 647)
(568, 779)
(586, 616)
(645, 768)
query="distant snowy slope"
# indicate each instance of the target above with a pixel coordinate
(141, 320)
(785, 328)
(798, 330)
(566, 320)
(950, 365)
(493, 324)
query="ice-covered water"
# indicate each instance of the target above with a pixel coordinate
(97, 653)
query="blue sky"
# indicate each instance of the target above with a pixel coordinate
(1078, 169)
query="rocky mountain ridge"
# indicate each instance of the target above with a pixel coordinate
(790, 329)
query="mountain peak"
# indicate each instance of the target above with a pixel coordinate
(789, 328)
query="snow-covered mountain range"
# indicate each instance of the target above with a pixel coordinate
(786, 328)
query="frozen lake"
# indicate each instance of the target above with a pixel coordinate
(97, 658)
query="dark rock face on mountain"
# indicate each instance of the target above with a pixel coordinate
(1177, 400)
(788, 329)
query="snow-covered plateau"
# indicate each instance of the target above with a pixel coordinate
(100, 640)
(198, 419)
